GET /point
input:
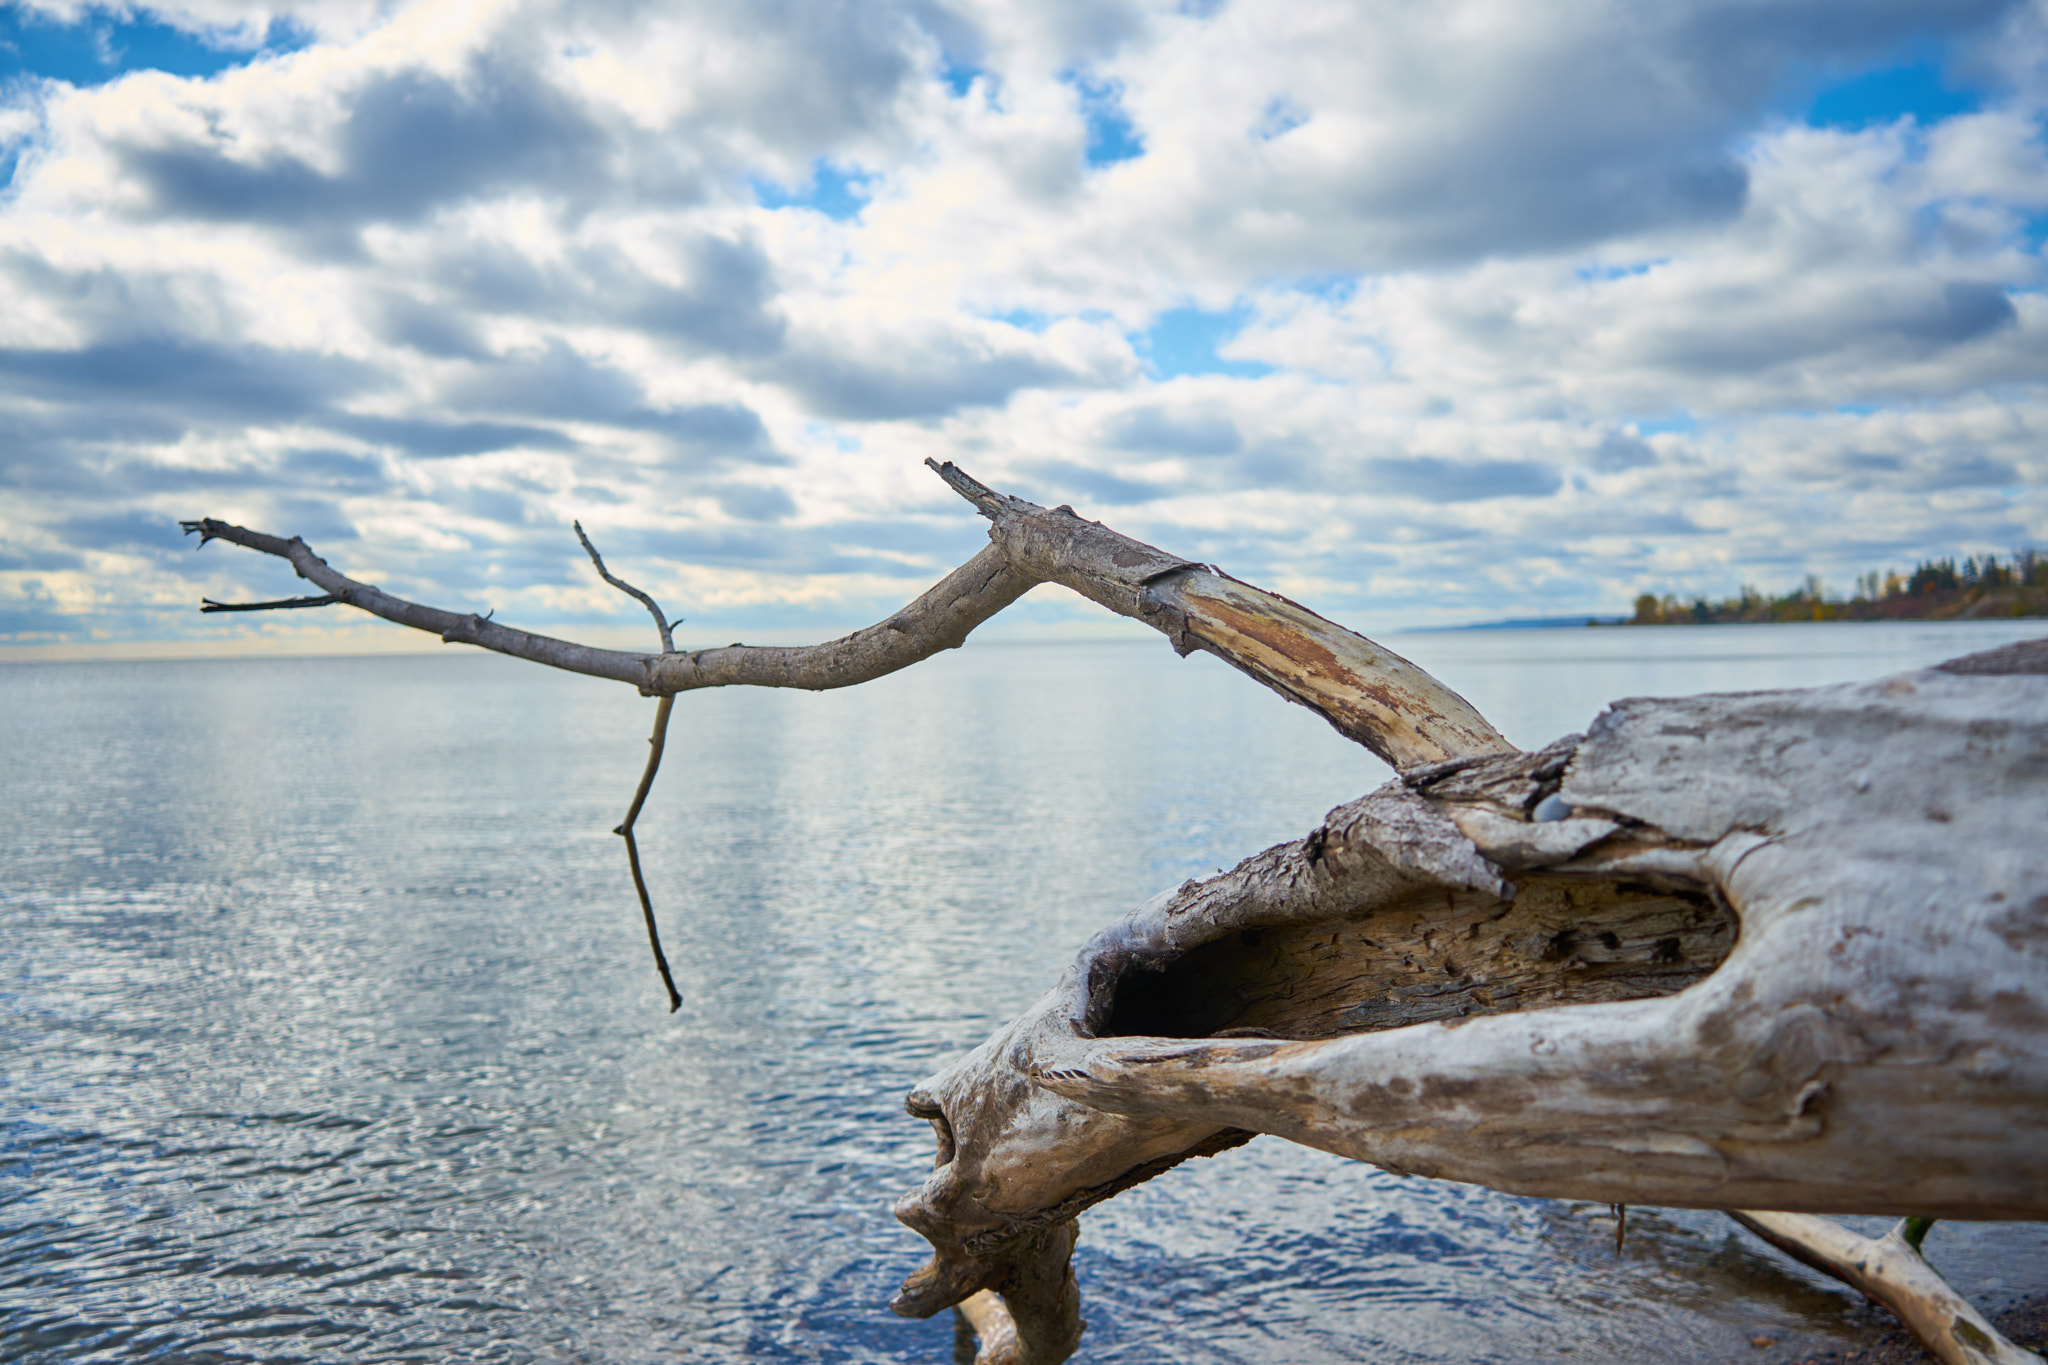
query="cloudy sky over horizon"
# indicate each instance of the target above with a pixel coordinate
(1417, 313)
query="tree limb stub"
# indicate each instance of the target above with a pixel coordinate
(661, 621)
(1890, 1271)
(208, 605)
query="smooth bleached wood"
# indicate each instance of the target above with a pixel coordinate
(941, 618)
(1779, 950)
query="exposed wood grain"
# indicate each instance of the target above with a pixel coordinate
(1367, 692)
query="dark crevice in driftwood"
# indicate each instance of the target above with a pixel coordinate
(1438, 956)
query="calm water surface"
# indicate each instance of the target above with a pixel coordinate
(329, 1032)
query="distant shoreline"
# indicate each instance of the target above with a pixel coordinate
(1998, 605)
(1936, 590)
(1959, 604)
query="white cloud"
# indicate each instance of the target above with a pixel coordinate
(1547, 305)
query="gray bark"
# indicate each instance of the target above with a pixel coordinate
(1369, 694)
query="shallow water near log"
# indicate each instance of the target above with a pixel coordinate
(330, 1032)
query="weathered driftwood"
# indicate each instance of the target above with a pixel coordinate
(1783, 950)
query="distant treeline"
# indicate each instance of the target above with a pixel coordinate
(1936, 590)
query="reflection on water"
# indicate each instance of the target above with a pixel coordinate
(330, 1034)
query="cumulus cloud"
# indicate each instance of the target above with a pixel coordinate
(1417, 313)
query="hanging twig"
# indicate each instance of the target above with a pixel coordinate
(625, 828)
(656, 742)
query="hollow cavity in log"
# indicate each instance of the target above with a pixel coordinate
(1429, 957)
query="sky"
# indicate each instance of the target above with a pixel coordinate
(1418, 313)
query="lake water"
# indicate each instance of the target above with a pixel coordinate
(330, 1032)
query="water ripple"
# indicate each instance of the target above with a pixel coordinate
(330, 1036)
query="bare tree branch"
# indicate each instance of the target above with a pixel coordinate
(452, 627)
(656, 742)
(940, 619)
(1370, 694)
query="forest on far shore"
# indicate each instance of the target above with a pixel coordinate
(1937, 590)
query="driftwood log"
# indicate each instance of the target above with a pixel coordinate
(1781, 951)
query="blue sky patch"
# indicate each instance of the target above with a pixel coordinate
(1911, 80)
(838, 194)
(1915, 89)
(103, 46)
(1282, 116)
(1024, 319)
(1112, 137)
(1184, 341)
(1604, 270)
(1684, 423)
(958, 76)
(1338, 289)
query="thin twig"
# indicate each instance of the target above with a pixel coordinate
(207, 604)
(661, 622)
(657, 740)
(656, 743)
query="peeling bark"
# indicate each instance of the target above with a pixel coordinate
(1370, 694)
